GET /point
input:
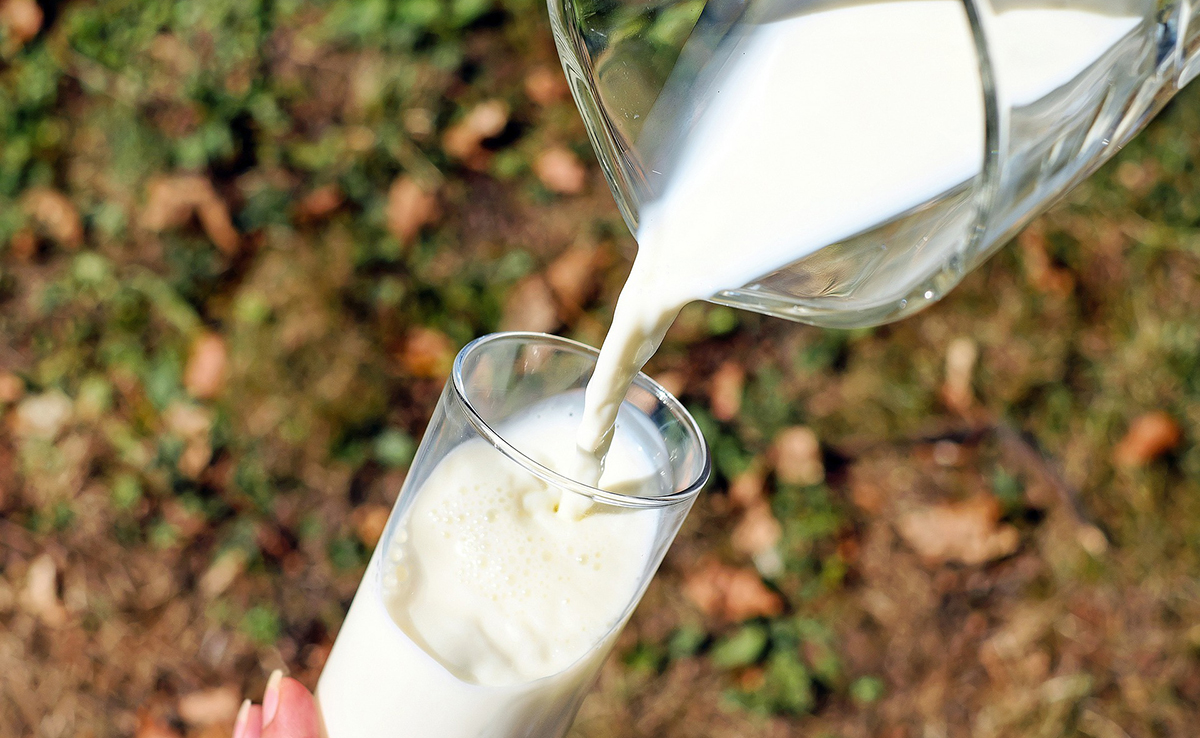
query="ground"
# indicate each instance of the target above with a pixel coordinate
(240, 241)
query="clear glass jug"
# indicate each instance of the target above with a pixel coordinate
(1043, 92)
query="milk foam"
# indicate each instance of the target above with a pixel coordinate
(531, 590)
(494, 609)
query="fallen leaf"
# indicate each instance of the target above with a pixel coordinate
(530, 307)
(675, 383)
(23, 245)
(546, 85)
(42, 416)
(193, 424)
(866, 494)
(409, 209)
(12, 388)
(211, 731)
(1039, 268)
(207, 366)
(731, 593)
(961, 355)
(561, 171)
(427, 353)
(573, 276)
(40, 597)
(796, 453)
(55, 214)
(21, 20)
(967, 532)
(464, 140)
(1149, 436)
(757, 531)
(172, 201)
(748, 488)
(320, 203)
(150, 727)
(369, 523)
(187, 420)
(217, 706)
(752, 679)
(725, 390)
(223, 572)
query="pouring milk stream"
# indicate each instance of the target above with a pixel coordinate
(501, 599)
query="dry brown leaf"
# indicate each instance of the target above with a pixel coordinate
(546, 85)
(748, 488)
(427, 353)
(725, 390)
(193, 424)
(731, 593)
(320, 203)
(187, 420)
(464, 140)
(796, 454)
(23, 245)
(867, 494)
(42, 416)
(217, 706)
(1039, 267)
(207, 366)
(223, 572)
(21, 20)
(409, 209)
(561, 171)
(369, 522)
(172, 201)
(674, 382)
(149, 726)
(530, 307)
(573, 276)
(757, 532)
(40, 597)
(55, 214)
(961, 355)
(967, 532)
(1149, 436)
(12, 388)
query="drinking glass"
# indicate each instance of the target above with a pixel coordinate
(377, 682)
(637, 70)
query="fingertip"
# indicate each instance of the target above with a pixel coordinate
(253, 726)
(296, 716)
(270, 703)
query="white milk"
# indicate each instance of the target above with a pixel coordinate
(489, 612)
(819, 127)
(493, 607)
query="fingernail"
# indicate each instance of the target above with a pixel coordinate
(239, 725)
(271, 697)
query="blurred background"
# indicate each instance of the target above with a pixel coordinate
(240, 243)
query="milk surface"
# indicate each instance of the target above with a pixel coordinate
(488, 612)
(818, 127)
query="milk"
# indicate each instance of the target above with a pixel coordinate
(487, 611)
(818, 127)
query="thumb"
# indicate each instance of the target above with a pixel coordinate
(296, 714)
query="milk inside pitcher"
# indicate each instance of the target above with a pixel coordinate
(886, 148)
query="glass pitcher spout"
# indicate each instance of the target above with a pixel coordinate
(851, 160)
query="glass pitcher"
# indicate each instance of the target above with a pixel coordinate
(920, 134)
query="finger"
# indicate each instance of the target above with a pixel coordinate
(249, 721)
(296, 716)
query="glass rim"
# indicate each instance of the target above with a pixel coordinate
(549, 475)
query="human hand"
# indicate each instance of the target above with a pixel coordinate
(287, 711)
